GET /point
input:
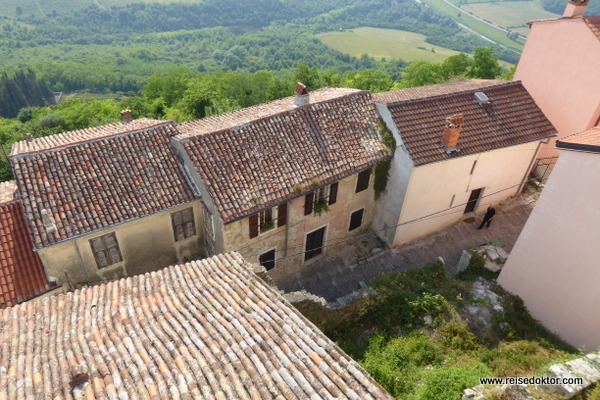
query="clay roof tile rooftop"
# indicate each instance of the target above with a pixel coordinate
(259, 157)
(209, 329)
(588, 140)
(510, 117)
(96, 178)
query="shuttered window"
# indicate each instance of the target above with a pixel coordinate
(253, 224)
(363, 181)
(356, 219)
(333, 189)
(308, 203)
(183, 224)
(267, 219)
(282, 214)
(267, 259)
(106, 250)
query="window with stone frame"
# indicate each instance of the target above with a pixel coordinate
(268, 219)
(183, 224)
(106, 250)
(321, 198)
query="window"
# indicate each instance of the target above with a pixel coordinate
(267, 259)
(363, 181)
(320, 199)
(314, 244)
(267, 220)
(106, 250)
(183, 224)
(356, 219)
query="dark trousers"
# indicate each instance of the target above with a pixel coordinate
(488, 220)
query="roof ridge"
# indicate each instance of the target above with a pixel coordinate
(90, 140)
(184, 137)
(447, 95)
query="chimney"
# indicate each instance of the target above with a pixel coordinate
(575, 8)
(452, 130)
(126, 114)
(29, 137)
(48, 222)
(301, 97)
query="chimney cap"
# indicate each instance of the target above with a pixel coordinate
(126, 114)
(301, 89)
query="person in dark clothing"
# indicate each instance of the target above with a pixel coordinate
(489, 215)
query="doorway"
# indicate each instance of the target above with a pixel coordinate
(473, 200)
(314, 244)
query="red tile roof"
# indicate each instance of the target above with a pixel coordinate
(208, 329)
(22, 275)
(585, 141)
(594, 23)
(252, 161)
(82, 135)
(98, 183)
(422, 92)
(511, 117)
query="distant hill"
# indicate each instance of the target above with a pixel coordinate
(558, 6)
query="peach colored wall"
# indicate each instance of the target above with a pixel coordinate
(336, 220)
(432, 186)
(555, 264)
(559, 68)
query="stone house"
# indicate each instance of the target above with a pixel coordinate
(22, 274)
(559, 68)
(553, 266)
(107, 202)
(460, 146)
(283, 182)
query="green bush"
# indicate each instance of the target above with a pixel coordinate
(448, 383)
(520, 358)
(455, 335)
(476, 269)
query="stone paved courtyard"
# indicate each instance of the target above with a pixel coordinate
(345, 270)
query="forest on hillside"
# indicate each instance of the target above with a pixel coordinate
(117, 49)
(558, 6)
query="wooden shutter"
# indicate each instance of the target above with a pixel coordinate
(363, 181)
(282, 214)
(333, 188)
(188, 222)
(356, 219)
(253, 220)
(308, 203)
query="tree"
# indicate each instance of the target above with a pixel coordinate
(421, 73)
(369, 79)
(485, 64)
(456, 65)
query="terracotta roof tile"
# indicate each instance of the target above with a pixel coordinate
(511, 117)
(207, 329)
(82, 135)
(588, 140)
(422, 92)
(7, 191)
(257, 163)
(98, 183)
(594, 23)
(22, 275)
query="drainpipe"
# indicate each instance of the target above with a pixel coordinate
(531, 164)
(287, 226)
(87, 279)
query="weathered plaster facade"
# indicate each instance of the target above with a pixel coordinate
(553, 266)
(559, 68)
(289, 241)
(146, 244)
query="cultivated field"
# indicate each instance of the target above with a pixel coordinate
(508, 14)
(388, 43)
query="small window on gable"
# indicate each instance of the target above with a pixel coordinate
(106, 250)
(363, 181)
(267, 259)
(356, 219)
(183, 224)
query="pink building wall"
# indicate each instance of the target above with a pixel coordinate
(560, 67)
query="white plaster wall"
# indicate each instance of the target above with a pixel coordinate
(432, 186)
(555, 264)
(559, 68)
(390, 202)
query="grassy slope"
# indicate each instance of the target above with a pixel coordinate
(388, 43)
(509, 14)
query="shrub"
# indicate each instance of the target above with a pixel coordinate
(521, 358)
(476, 269)
(446, 383)
(52, 121)
(455, 335)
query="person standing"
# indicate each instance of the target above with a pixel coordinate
(489, 215)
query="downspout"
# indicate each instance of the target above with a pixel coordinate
(87, 279)
(287, 226)
(531, 164)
